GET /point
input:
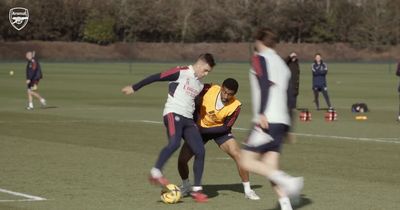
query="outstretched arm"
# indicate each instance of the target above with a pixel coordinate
(169, 75)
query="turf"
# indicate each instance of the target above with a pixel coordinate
(92, 149)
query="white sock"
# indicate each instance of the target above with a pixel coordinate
(42, 100)
(155, 173)
(30, 104)
(284, 202)
(185, 182)
(246, 186)
(197, 188)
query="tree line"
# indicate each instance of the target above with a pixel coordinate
(363, 23)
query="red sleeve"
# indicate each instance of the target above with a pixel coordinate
(260, 67)
(34, 65)
(169, 75)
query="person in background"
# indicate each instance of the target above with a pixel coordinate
(33, 76)
(319, 71)
(293, 63)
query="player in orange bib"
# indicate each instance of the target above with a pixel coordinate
(216, 111)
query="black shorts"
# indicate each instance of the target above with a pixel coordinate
(218, 138)
(33, 85)
(262, 141)
(320, 88)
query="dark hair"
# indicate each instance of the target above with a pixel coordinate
(315, 61)
(208, 58)
(267, 36)
(231, 84)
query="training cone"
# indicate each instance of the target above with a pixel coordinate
(361, 117)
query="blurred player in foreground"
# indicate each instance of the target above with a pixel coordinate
(269, 78)
(33, 76)
(216, 111)
(184, 85)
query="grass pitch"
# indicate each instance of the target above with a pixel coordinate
(93, 147)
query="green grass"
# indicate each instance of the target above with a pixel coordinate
(92, 150)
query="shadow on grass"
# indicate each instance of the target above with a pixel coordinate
(297, 204)
(49, 107)
(212, 190)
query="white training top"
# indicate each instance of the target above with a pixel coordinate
(278, 75)
(181, 101)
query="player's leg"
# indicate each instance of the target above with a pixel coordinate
(398, 117)
(326, 96)
(184, 156)
(174, 133)
(231, 147)
(193, 138)
(32, 87)
(38, 96)
(30, 100)
(316, 95)
(268, 144)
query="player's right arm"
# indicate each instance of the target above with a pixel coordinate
(169, 75)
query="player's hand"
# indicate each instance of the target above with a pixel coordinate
(263, 121)
(127, 90)
(28, 81)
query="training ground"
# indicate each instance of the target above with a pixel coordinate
(92, 147)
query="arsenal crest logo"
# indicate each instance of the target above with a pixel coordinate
(18, 17)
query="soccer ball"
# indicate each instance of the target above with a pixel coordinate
(170, 194)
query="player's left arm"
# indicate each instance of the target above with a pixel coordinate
(226, 127)
(260, 67)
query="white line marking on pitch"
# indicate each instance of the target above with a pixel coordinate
(381, 140)
(29, 197)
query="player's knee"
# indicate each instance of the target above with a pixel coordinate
(184, 157)
(244, 162)
(199, 152)
(234, 153)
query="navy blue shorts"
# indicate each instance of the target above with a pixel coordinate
(218, 138)
(262, 141)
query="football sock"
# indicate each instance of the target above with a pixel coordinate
(155, 173)
(284, 202)
(186, 182)
(246, 186)
(30, 104)
(197, 188)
